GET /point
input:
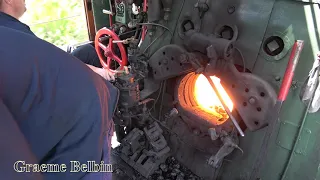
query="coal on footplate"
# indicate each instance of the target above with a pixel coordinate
(173, 170)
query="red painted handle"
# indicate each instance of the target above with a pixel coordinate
(292, 64)
(144, 28)
(106, 53)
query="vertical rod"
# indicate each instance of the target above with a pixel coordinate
(233, 119)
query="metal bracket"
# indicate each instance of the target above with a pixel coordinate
(173, 60)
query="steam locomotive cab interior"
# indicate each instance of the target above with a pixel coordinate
(197, 80)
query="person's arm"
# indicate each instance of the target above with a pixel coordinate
(14, 148)
(103, 72)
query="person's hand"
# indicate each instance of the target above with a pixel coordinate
(108, 75)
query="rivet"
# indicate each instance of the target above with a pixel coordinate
(308, 131)
(231, 9)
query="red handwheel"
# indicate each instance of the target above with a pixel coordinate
(108, 50)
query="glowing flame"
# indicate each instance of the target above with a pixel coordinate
(207, 98)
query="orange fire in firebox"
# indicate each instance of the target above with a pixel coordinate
(208, 100)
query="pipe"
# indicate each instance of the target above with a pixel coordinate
(144, 28)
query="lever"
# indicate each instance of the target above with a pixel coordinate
(125, 41)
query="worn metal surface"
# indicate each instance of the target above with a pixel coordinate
(166, 62)
(135, 151)
(253, 97)
(303, 26)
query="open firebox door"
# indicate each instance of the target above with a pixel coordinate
(208, 100)
(196, 95)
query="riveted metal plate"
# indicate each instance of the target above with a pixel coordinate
(287, 142)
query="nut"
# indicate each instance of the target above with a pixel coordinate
(252, 100)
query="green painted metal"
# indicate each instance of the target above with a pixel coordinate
(301, 19)
(287, 142)
(295, 148)
(101, 19)
(121, 15)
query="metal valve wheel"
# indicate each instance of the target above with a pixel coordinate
(107, 50)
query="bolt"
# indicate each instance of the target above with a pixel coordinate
(196, 132)
(231, 9)
(294, 82)
(273, 45)
(213, 134)
(187, 26)
(122, 29)
(174, 112)
(252, 100)
(277, 78)
(308, 131)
